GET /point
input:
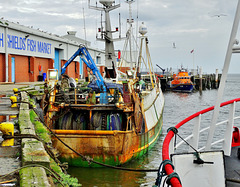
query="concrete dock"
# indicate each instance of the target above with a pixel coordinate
(28, 161)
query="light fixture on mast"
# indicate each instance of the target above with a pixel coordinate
(107, 3)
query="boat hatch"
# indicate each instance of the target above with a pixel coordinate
(192, 173)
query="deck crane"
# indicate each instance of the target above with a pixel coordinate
(83, 52)
(163, 70)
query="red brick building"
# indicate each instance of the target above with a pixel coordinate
(26, 54)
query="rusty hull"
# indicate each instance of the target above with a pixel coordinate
(108, 147)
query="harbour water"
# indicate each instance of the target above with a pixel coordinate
(178, 106)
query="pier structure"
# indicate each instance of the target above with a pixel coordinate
(209, 81)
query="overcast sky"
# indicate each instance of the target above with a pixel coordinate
(202, 25)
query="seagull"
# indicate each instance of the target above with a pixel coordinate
(174, 45)
(219, 15)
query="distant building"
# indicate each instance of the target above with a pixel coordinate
(26, 53)
(71, 35)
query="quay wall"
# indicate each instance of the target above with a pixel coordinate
(33, 152)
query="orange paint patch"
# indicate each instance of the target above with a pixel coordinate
(151, 133)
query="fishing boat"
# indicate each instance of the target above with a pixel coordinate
(209, 154)
(181, 82)
(109, 121)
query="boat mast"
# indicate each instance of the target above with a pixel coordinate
(129, 33)
(143, 31)
(106, 33)
(129, 41)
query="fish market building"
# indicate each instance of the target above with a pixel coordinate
(26, 53)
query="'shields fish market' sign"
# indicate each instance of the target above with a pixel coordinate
(25, 44)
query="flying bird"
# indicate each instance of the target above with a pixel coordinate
(174, 45)
(219, 15)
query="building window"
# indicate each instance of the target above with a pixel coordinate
(29, 64)
(98, 60)
(76, 67)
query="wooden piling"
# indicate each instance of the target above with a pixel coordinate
(200, 76)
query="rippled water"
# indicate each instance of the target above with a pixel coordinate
(178, 106)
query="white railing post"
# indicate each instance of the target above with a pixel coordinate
(228, 57)
(196, 129)
(227, 144)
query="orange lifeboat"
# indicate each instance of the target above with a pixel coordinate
(182, 82)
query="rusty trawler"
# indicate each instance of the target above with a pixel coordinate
(110, 120)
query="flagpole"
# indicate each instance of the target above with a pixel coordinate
(192, 51)
(193, 64)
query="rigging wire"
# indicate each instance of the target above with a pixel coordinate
(84, 25)
(137, 23)
(84, 28)
(96, 23)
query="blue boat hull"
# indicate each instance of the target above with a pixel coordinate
(182, 88)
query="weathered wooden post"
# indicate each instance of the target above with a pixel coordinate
(200, 77)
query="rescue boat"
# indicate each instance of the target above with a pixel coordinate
(181, 82)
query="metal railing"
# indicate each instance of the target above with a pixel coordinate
(169, 145)
(193, 138)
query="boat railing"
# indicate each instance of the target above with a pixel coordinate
(194, 140)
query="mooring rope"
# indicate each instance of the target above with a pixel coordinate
(49, 151)
(175, 131)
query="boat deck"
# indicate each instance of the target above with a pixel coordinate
(232, 166)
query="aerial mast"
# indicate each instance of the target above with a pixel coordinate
(130, 21)
(127, 59)
(144, 39)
